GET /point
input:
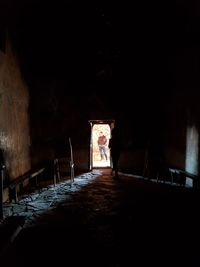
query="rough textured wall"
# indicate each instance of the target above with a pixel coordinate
(160, 121)
(14, 120)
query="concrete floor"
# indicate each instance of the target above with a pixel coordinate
(99, 221)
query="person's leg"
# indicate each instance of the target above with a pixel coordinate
(104, 152)
(115, 165)
(115, 168)
(111, 164)
(101, 152)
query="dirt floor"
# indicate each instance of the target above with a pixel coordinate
(100, 221)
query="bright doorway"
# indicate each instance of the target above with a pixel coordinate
(97, 127)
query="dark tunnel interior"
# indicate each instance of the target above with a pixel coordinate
(70, 69)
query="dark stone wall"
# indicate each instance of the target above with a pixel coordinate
(158, 124)
(141, 70)
(14, 117)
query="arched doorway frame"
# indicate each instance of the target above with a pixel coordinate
(111, 123)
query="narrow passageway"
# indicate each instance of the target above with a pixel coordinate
(99, 221)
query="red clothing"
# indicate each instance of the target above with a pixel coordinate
(102, 140)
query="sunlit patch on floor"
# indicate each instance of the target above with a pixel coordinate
(43, 200)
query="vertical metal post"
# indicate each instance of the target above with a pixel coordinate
(54, 171)
(71, 161)
(57, 170)
(1, 191)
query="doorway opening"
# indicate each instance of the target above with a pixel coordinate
(99, 127)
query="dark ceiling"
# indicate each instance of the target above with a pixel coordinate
(106, 44)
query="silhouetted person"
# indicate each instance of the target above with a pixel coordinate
(102, 140)
(115, 147)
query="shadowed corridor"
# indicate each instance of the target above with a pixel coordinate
(65, 66)
(125, 222)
